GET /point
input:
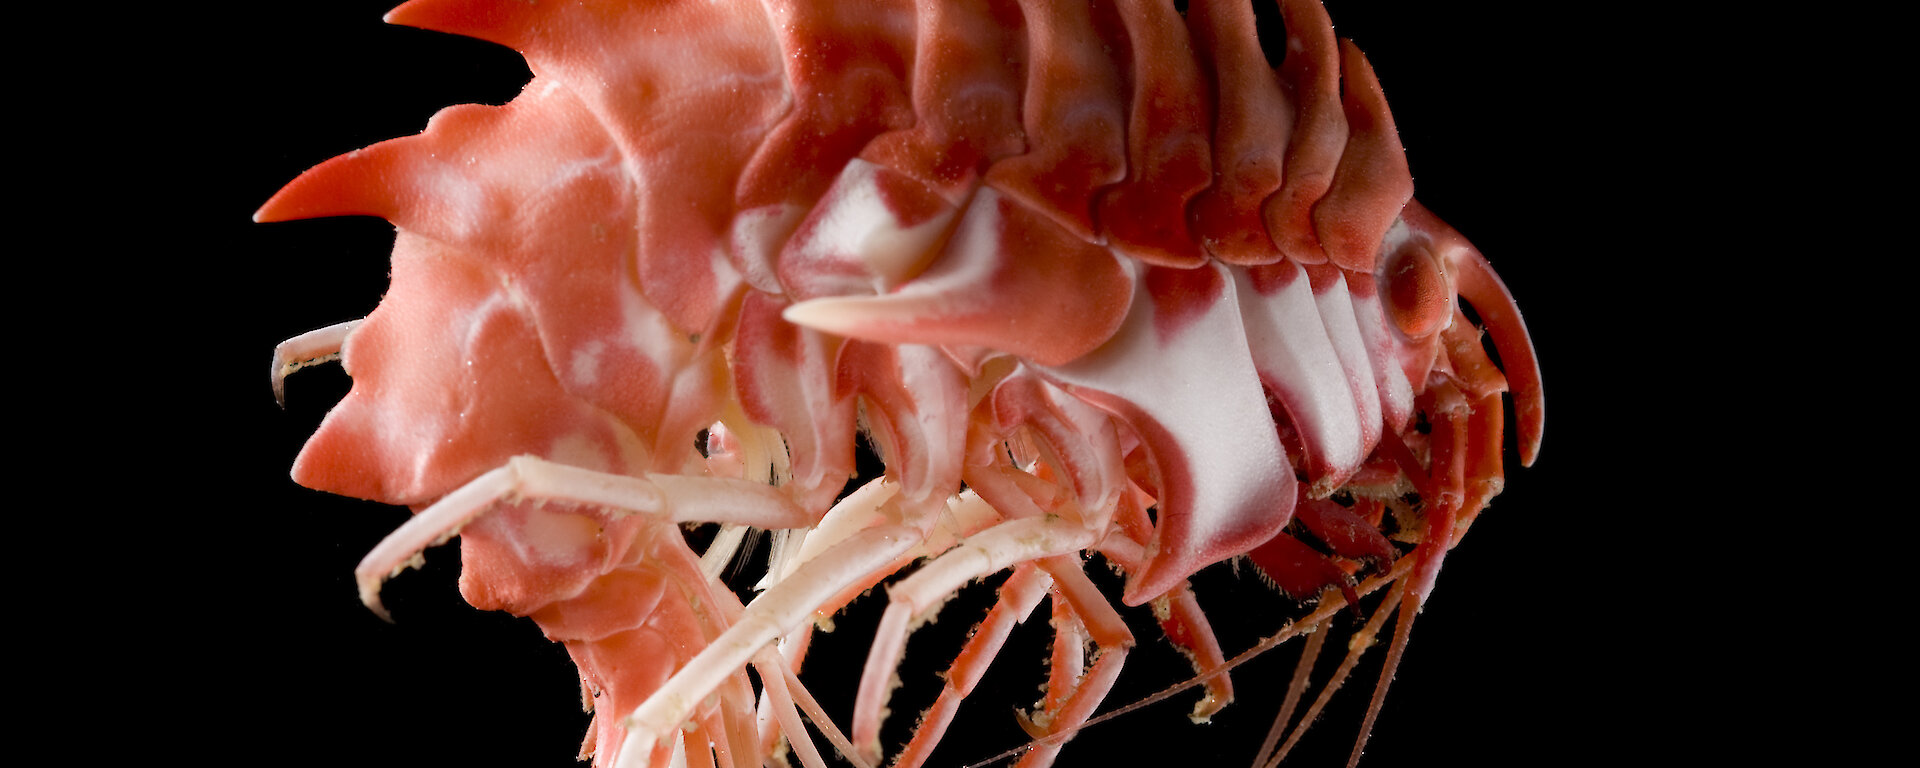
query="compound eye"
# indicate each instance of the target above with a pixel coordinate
(1419, 299)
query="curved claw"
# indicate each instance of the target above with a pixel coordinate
(1476, 282)
(670, 498)
(310, 348)
(1479, 285)
(438, 523)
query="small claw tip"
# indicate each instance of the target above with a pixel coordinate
(1529, 451)
(370, 597)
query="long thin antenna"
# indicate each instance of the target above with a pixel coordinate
(1409, 608)
(1356, 647)
(1302, 672)
(1327, 609)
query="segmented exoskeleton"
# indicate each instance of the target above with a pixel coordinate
(1091, 279)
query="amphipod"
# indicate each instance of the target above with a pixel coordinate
(1101, 286)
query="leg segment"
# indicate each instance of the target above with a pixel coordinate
(1001, 546)
(1018, 597)
(776, 612)
(673, 497)
(1103, 625)
(310, 348)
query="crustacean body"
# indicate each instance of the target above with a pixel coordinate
(1089, 278)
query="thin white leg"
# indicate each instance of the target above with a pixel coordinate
(310, 348)
(673, 498)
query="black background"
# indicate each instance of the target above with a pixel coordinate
(1523, 131)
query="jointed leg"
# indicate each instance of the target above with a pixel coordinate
(673, 498)
(310, 348)
(1004, 545)
(1185, 625)
(1018, 597)
(1110, 636)
(776, 612)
